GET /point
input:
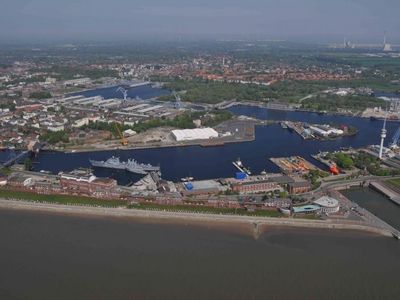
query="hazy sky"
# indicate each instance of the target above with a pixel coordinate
(318, 20)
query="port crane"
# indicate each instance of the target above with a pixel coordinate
(178, 103)
(395, 139)
(124, 92)
(124, 141)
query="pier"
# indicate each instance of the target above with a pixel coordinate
(385, 190)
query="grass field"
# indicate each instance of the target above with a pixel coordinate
(86, 201)
(59, 199)
(205, 209)
(395, 182)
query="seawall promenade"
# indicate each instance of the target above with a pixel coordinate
(253, 225)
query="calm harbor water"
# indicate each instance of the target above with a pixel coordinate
(377, 204)
(46, 256)
(214, 162)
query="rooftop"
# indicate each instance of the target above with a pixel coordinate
(306, 208)
(204, 185)
(326, 201)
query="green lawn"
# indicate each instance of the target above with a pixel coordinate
(59, 199)
(205, 209)
(395, 182)
(75, 200)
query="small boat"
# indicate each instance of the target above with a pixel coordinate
(187, 179)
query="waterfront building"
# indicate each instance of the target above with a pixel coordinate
(201, 187)
(299, 187)
(19, 180)
(47, 187)
(328, 205)
(272, 183)
(326, 131)
(194, 134)
(78, 81)
(248, 186)
(88, 184)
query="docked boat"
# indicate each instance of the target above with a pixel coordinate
(239, 165)
(187, 179)
(135, 167)
(131, 165)
(111, 163)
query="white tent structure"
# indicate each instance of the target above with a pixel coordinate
(194, 134)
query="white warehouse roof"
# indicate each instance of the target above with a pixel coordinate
(194, 134)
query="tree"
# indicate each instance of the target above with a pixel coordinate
(40, 95)
(344, 161)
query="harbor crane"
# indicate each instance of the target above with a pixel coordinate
(178, 103)
(124, 92)
(124, 141)
(395, 140)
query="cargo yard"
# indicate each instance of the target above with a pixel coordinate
(293, 165)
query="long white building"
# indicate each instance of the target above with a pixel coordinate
(194, 134)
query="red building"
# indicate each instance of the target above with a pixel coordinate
(248, 187)
(299, 187)
(88, 184)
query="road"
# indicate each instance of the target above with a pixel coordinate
(352, 182)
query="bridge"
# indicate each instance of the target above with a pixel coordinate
(13, 158)
(33, 147)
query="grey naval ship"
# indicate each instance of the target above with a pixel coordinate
(131, 165)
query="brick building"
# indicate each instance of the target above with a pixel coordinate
(247, 187)
(299, 187)
(88, 184)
